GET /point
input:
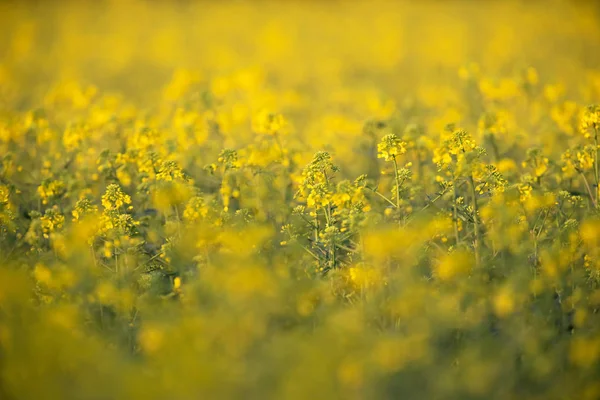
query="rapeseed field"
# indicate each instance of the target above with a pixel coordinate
(299, 200)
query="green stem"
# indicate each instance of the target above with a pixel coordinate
(495, 148)
(333, 255)
(589, 190)
(328, 209)
(455, 214)
(382, 196)
(397, 182)
(477, 241)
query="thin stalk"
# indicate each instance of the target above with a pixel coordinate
(348, 249)
(589, 190)
(333, 255)
(397, 182)
(178, 220)
(93, 255)
(455, 213)
(328, 209)
(311, 253)
(382, 196)
(495, 148)
(477, 240)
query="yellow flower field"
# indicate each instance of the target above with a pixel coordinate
(299, 200)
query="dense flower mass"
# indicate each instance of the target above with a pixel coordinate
(291, 200)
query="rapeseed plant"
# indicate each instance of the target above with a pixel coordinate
(295, 200)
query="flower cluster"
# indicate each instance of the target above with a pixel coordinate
(590, 122)
(114, 198)
(390, 147)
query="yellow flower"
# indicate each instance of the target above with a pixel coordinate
(589, 123)
(114, 198)
(51, 189)
(390, 147)
(269, 123)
